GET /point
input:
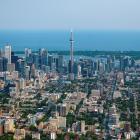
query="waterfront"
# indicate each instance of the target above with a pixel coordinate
(85, 40)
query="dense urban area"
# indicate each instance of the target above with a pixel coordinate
(51, 96)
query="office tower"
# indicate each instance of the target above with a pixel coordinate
(113, 59)
(1, 52)
(53, 68)
(8, 53)
(21, 68)
(33, 71)
(101, 67)
(27, 72)
(29, 61)
(36, 60)
(75, 68)
(60, 63)
(108, 65)
(3, 64)
(121, 63)
(50, 61)
(71, 57)
(126, 62)
(57, 61)
(54, 63)
(95, 66)
(14, 59)
(28, 56)
(28, 51)
(43, 57)
(87, 67)
(132, 63)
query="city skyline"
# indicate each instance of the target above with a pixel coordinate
(95, 96)
(62, 84)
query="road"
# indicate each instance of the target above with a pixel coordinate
(110, 99)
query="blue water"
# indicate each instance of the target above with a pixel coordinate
(84, 40)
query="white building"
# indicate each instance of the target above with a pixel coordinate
(9, 126)
(21, 83)
(53, 135)
(27, 72)
(28, 51)
(79, 74)
(8, 53)
(83, 127)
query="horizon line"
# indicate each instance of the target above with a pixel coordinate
(74, 30)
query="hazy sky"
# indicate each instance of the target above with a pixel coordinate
(66, 14)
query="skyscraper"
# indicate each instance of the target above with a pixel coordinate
(8, 53)
(59, 63)
(50, 61)
(21, 68)
(3, 64)
(28, 51)
(36, 60)
(27, 72)
(43, 57)
(1, 52)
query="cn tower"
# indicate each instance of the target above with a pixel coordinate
(71, 52)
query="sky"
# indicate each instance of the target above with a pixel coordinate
(66, 14)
